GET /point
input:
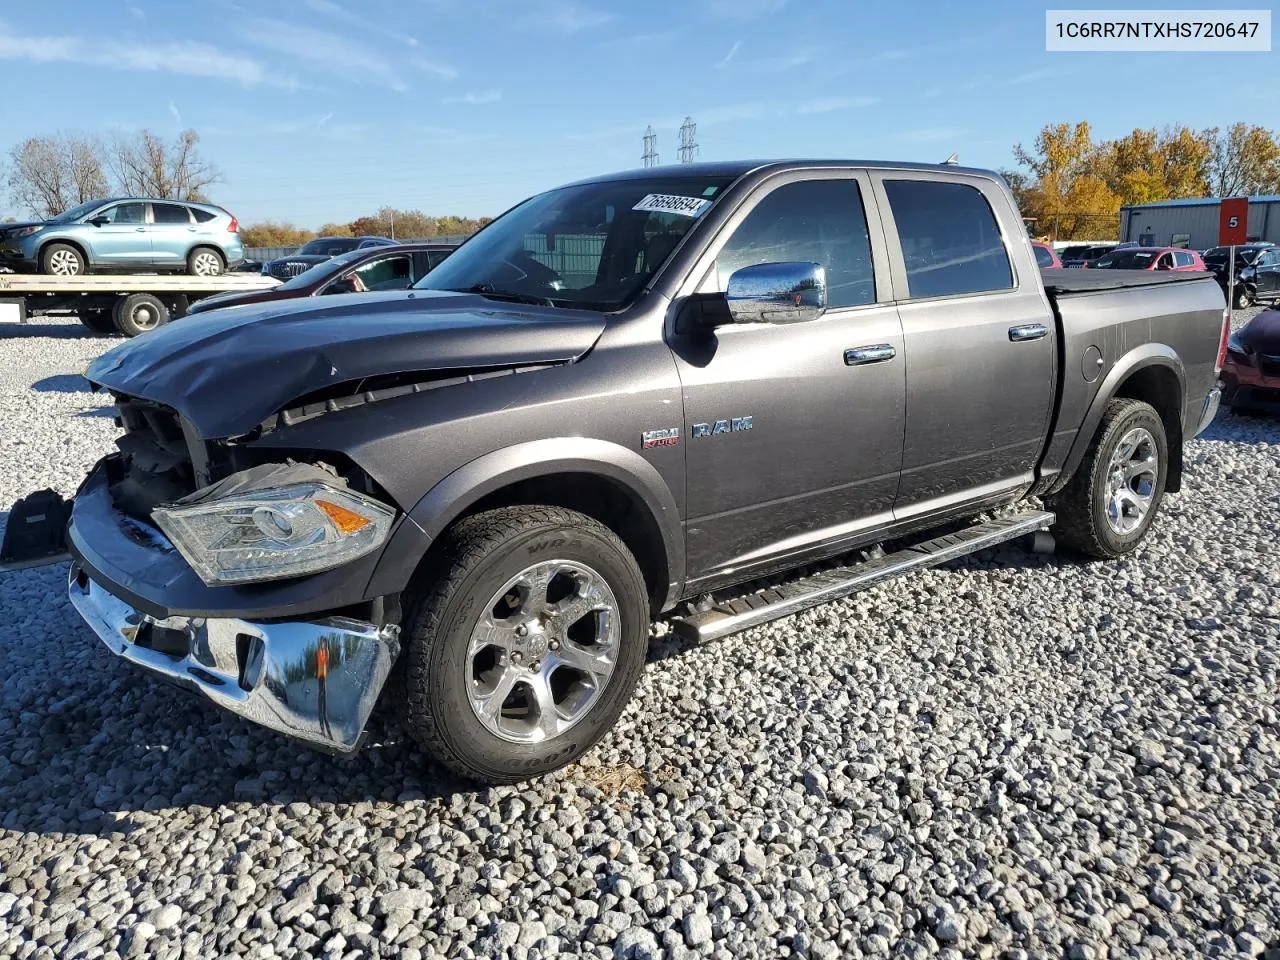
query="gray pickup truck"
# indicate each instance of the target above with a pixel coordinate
(639, 395)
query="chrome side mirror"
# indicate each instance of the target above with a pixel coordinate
(777, 293)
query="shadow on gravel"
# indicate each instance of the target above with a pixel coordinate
(62, 383)
(71, 330)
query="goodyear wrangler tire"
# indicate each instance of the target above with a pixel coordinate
(524, 642)
(1108, 505)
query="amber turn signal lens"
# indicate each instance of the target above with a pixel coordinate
(347, 521)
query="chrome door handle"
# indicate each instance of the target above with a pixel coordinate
(879, 353)
(139, 229)
(1028, 331)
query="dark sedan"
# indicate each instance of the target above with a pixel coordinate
(318, 251)
(395, 267)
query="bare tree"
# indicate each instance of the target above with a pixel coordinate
(145, 166)
(50, 174)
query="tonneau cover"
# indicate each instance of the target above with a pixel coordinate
(1065, 280)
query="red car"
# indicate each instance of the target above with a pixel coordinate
(1045, 255)
(1150, 258)
(1251, 371)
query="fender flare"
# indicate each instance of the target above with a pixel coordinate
(1139, 358)
(453, 495)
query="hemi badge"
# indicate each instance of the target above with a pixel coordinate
(660, 438)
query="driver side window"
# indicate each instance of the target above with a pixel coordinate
(126, 213)
(815, 221)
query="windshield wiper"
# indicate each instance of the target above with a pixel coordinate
(493, 293)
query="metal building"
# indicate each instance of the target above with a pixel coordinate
(1194, 223)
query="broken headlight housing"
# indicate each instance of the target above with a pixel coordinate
(273, 533)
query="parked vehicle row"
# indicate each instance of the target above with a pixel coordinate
(126, 234)
(1254, 280)
(317, 251)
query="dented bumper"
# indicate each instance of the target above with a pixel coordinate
(316, 681)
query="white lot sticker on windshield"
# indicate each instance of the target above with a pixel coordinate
(665, 203)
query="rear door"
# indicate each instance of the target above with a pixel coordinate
(980, 342)
(123, 241)
(173, 233)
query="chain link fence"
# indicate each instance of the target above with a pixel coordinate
(262, 254)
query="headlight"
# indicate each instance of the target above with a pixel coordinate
(25, 231)
(273, 533)
(1236, 345)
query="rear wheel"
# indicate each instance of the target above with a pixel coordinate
(139, 313)
(205, 262)
(1108, 505)
(1242, 297)
(525, 644)
(62, 260)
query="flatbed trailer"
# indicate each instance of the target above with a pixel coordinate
(125, 304)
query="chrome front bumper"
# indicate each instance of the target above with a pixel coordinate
(264, 672)
(1210, 410)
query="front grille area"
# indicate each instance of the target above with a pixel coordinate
(156, 464)
(289, 268)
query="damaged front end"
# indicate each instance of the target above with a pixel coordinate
(241, 581)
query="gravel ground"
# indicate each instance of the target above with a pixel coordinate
(1010, 756)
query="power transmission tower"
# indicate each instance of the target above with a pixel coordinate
(650, 156)
(688, 146)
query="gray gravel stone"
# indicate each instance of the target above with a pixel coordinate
(1009, 756)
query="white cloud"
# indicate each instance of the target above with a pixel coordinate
(336, 52)
(832, 104)
(567, 16)
(1031, 76)
(328, 8)
(173, 110)
(137, 12)
(187, 58)
(744, 9)
(441, 71)
(476, 97)
(729, 56)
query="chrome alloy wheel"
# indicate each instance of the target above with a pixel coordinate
(543, 651)
(64, 263)
(1131, 480)
(206, 264)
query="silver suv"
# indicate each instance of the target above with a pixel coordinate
(126, 234)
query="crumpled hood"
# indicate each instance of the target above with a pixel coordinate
(1263, 333)
(311, 258)
(228, 370)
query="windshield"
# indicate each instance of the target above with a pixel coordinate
(75, 213)
(327, 247)
(1127, 260)
(593, 246)
(321, 271)
(1220, 255)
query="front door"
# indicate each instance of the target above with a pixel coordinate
(1266, 270)
(124, 239)
(980, 344)
(793, 439)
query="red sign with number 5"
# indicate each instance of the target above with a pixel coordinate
(1233, 221)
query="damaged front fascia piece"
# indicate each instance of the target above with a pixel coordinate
(359, 396)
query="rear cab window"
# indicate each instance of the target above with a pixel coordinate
(950, 239)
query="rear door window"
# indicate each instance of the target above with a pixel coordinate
(951, 243)
(169, 213)
(810, 221)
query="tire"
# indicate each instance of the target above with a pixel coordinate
(63, 260)
(1088, 520)
(98, 320)
(1241, 298)
(205, 262)
(139, 313)
(452, 669)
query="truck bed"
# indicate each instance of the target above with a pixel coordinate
(1063, 281)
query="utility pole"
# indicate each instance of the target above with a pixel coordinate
(688, 145)
(650, 156)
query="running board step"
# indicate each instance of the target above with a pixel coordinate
(741, 613)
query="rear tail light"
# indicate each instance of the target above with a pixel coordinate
(233, 226)
(1222, 346)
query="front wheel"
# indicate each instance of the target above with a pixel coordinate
(524, 644)
(1241, 297)
(62, 260)
(1108, 505)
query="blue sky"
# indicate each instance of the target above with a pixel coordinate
(318, 110)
